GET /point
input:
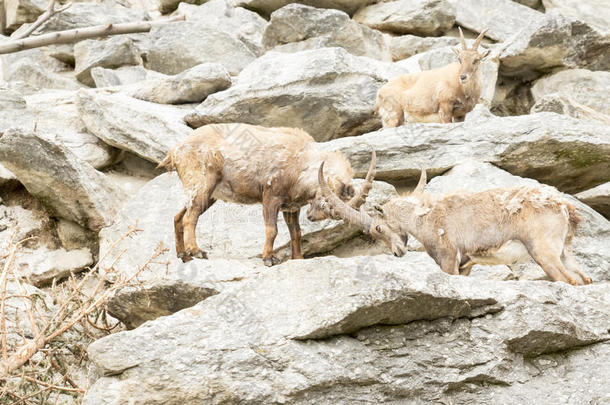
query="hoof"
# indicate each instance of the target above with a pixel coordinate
(184, 257)
(587, 280)
(197, 254)
(271, 261)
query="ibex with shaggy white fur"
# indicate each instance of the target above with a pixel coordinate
(497, 226)
(437, 95)
(250, 164)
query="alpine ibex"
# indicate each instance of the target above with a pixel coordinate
(437, 95)
(496, 226)
(250, 164)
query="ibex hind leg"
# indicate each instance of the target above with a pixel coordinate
(199, 202)
(569, 261)
(179, 235)
(548, 258)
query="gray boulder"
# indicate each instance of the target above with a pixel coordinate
(242, 24)
(167, 6)
(43, 266)
(267, 7)
(571, 154)
(19, 12)
(103, 77)
(37, 77)
(56, 113)
(7, 180)
(503, 18)
(297, 27)
(425, 18)
(191, 86)
(146, 129)
(593, 12)
(376, 329)
(535, 4)
(597, 198)
(67, 186)
(180, 46)
(564, 104)
(405, 46)
(593, 234)
(327, 92)
(113, 52)
(554, 41)
(580, 85)
(10, 99)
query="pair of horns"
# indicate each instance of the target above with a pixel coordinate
(477, 41)
(337, 209)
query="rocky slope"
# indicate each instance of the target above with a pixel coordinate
(83, 126)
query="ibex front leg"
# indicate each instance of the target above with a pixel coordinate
(271, 208)
(292, 221)
(200, 200)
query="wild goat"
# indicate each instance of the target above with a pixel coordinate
(436, 95)
(250, 164)
(496, 226)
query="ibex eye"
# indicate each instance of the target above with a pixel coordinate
(378, 228)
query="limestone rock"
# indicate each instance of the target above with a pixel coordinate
(67, 186)
(297, 27)
(535, 4)
(39, 78)
(41, 266)
(552, 42)
(124, 75)
(18, 12)
(146, 129)
(597, 198)
(109, 53)
(566, 105)
(375, 329)
(11, 100)
(56, 113)
(73, 236)
(580, 85)
(425, 18)
(327, 92)
(405, 46)
(565, 152)
(592, 236)
(593, 12)
(182, 45)
(191, 86)
(266, 7)
(7, 179)
(167, 6)
(503, 18)
(242, 24)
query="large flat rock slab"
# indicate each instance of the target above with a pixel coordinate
(371, 328)
(570, 154)
(67, 186)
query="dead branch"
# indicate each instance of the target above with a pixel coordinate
(78, 34)
(50, 12)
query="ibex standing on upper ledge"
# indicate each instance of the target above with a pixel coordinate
(249, 164)
(437, 95)
(497, 226)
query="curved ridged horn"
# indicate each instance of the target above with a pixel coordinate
(477, 41)
(419, 189)
(340, 210)
(360, 197)
(462, 40)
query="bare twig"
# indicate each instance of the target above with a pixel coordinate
(50, 12)
(55, 387)
(78, 34)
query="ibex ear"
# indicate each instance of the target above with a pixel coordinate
(456, 51)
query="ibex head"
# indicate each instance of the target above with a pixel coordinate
(380, 226)
(344, 191)
(470, 59)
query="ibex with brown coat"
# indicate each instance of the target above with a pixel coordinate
(437, 95)
(249, 164)
(496, 226)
